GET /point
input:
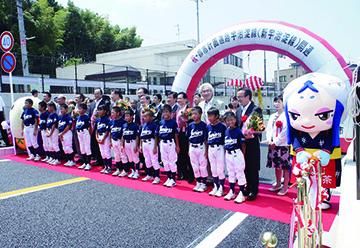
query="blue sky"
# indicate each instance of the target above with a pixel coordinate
(157, 20)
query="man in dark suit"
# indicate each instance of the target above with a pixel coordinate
(252, 143)
(99, 99)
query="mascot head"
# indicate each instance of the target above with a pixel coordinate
(315, 102)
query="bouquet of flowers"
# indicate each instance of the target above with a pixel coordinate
(186, 114)
(124, 105)
(254, 124)
(148, 108)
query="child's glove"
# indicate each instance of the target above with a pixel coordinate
(323, 156)
(302, 157)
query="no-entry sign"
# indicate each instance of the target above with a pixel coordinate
(8, 62)
(6, 41)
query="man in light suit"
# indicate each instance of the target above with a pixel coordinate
(207, 93)
(252, 143)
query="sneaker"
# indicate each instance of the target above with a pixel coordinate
(156, 180)
(167, 181)
(45, 159)
(87, 167)
(37, 158)
(147, 178)
(50, 160)
(103, 170)
(220, 191)
(131, 173)
(67, 163)
(31, 157)
(56, 162)
(135, 175)
(213, 191)
(123, 174)
(107, 171)
(71, 163)
(116, 173)
(82, 166)
(197, 186)
(171, 183)
(229, 196)
(202, 188)
(240, 198)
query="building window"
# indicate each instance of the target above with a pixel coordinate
(282, 79)
(233, 60)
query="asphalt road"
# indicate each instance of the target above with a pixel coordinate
(96, 214)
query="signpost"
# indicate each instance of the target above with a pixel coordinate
(8, 62)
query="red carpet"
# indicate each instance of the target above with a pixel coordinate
(267, 205)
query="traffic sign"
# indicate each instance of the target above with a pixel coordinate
(6, 41)
(8, 62)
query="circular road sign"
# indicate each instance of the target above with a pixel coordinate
(8, 62)
(6, 41)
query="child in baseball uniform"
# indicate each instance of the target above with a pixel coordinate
(130, 143)
(216, 154)
(83, 129)
(234, 157)
(103, 137)
(65, 134)
(169, 144)
(52, 134)
(116, 124)
(148, 146)
(42, 127)
(197, 134)
(30, 122)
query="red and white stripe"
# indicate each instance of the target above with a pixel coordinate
(253, 83)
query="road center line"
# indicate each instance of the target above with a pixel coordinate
(220, 233)
(32, 189)
(4, 160)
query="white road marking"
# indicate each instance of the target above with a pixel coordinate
(4, 160)
(220, 233)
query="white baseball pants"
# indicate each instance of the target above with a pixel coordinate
(30, 138)
(53, 141)
(235, 163)
(129, 152)
(217, 161)
(151, 159)
(198, 160)
(67, 142)
(105, 148)
(168, 155)
(118, 154)
(84, 141)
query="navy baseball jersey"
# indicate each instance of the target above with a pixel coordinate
(216, 134)
(233, 139)
(197, 132)
(64, 120)
(52, 119)
(167, 129)
(148, 131)
(29, 116)
(82, 122)
(116, 128)
(102, 124)
(43, 119)
(130, 131)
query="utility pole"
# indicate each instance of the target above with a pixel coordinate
(22, 34)
(198, 21)
(265, 67)
(178, 31)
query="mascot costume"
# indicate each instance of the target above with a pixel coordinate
(314, 107)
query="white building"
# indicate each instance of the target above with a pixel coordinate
(152, 66)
